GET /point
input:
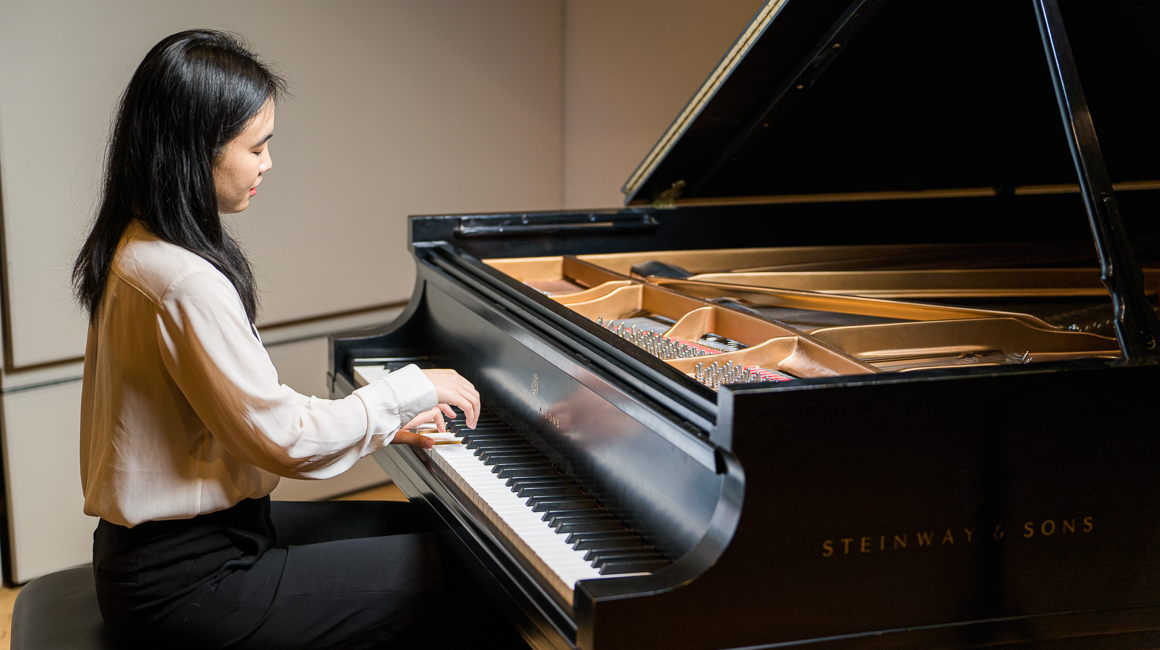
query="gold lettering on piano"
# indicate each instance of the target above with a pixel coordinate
(864, 544)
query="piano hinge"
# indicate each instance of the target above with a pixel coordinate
(668, 199)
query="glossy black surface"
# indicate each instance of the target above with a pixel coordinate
(874, 95)
(1016, 506)
(1137, 326)
(837, 459)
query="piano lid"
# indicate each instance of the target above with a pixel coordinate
(912, 96)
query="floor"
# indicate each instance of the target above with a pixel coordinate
(8, 594)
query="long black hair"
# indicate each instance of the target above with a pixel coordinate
(193, 93)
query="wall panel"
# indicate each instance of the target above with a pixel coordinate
(47, 527)
(399, 107)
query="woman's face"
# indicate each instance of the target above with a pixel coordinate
(239, 168)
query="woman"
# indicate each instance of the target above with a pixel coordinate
(185, 429)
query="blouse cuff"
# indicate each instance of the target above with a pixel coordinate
(414, 392)
(393, 401)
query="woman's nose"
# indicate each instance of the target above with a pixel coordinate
(266, 163)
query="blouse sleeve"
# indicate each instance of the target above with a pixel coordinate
(215, 358)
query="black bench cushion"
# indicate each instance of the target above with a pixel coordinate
(59, 612)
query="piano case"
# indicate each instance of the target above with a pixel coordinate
(895, 490)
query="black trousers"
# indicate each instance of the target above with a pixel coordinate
(347, 574)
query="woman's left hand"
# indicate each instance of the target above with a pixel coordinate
(407, 435)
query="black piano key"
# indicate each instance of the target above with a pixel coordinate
(521, 462)
(626, 534)
(569, 510)
(489, 435)
(507, 447)
(498, 467)
(474, 442)
(601, 556)
(487, 454)
(516, 482)
(485, 419)
(483, 415)
(548, 491)
(494, 440)
(497, 432)
(490, 442)
(528, 472)
(575, 498)
(599, 561)
(461, 427)
(492, 459)
(557, 506)
(589, 527)
(609, 554)
(583, 516)
(621, 543)
(491, 429)
(638, 566)
(556, 523)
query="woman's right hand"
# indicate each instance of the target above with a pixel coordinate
(453, 389)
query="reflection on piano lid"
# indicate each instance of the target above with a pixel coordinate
(562, 532)
(874, 200)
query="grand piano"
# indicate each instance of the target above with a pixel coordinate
(867, 360)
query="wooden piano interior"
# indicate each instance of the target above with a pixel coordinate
(768, 314)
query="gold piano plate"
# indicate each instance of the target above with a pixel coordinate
(839, 310)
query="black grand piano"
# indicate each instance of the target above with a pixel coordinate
(868, 360)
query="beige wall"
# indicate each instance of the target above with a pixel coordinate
(629, 68)
(400, 107)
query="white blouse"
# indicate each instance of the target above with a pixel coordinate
(182, 412)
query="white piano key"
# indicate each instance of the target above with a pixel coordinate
(541, 545)
(364, 375)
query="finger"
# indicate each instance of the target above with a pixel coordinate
(470, 410)
(440, 426)
(448, 412)
(404, 437)
(472, 398)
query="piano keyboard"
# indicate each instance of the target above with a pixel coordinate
(551, 521)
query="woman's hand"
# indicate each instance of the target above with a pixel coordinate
(454, 390)
(408, 436)
(434, 416)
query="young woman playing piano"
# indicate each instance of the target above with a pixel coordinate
(185, 429)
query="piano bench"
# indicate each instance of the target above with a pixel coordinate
(59, 612)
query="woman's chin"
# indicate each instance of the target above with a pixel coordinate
(236, 208)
